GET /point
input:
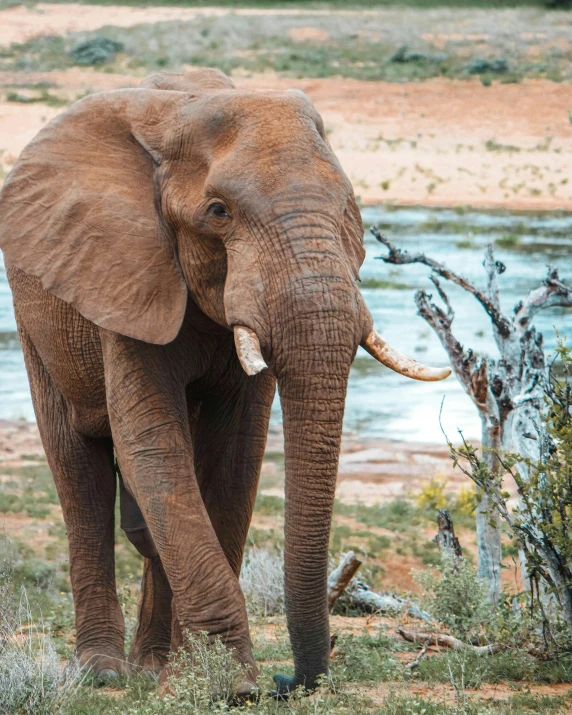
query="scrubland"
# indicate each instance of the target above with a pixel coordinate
(369, 660)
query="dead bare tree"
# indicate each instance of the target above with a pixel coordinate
(446, 538)
(508, 391)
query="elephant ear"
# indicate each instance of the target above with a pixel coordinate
(352, 235)
(80, 211)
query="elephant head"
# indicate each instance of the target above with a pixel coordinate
(135, 201)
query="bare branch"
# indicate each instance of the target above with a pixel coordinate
(415, 663)
(492, 269)
(462, 363)
(444, 297)
(552, 293)
(399, 257)
(340, 577)
(441, 639)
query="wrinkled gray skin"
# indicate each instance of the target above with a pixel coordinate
(138, 228)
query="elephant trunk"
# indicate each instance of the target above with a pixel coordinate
(313, 351)
(312, 432)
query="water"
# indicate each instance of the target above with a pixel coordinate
(381, 403)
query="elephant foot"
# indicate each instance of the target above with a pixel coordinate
(285, 684)
(151, 662)
(246, 692)
(104, 668)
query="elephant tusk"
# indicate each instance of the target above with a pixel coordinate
(248, 350)
(388, 356)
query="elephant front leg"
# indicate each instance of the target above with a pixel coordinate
(147, 409)
(151, 641)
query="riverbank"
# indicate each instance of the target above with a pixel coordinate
(372, 471)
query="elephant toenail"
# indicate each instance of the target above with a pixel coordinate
(106, 675)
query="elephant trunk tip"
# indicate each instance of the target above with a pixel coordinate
(388, 356)
(248, 350)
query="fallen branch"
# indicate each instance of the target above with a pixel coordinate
(442, 640)
(341, 576)
(360, 595)
(415, 663)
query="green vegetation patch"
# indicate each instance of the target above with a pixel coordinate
(381, 284)
(41, 97)
(371, 46)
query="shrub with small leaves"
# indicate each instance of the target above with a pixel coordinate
(466, 500)
(204, 678)
(456, 597)
(95, 51)
(542, 521)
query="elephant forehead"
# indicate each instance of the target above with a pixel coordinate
(224, 112)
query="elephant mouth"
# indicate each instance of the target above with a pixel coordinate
(252, 361)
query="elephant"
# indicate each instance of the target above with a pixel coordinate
(176, 251)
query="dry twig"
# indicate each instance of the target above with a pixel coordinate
(446, 641)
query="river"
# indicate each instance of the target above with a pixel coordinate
(381, 403)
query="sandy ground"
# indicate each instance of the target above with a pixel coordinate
(435, 143)
(370, 472)
(438, 143)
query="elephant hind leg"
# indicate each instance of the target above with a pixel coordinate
(151, 641)
(152, 636)
(85, 481)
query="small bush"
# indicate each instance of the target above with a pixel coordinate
(456, 597)
(468, 669)
(262, 582)
(432, 495)
(364, 658)
(96, 51)
(32, 678)
(466, 501)
(481, 66)
(205, 677)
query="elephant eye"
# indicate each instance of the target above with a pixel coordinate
(219, 210)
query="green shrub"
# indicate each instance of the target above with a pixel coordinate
(456, 597)
(364, 658)
(96, 51)
(467, 669)
(432, 495)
